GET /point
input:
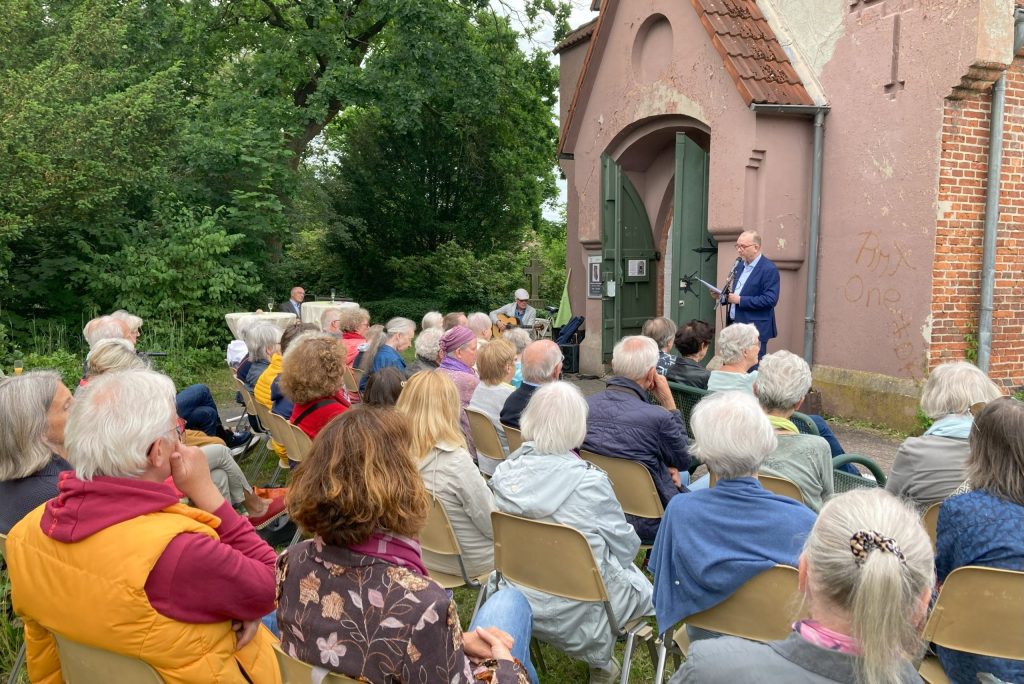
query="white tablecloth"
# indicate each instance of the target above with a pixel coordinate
(312, 311)
(279, 318)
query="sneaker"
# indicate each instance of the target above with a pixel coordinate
(605, 675)
(239, 439)
(239, 450)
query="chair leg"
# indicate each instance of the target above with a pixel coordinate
(277, 474)
(659, 670)
(538, 655)
(297, 537)
(627, 657)
(19, 662)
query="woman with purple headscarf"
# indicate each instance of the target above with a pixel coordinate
(458, 352)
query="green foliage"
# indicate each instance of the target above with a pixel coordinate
(64, 362)
(971, 340)
(923, 422)
(412, 308)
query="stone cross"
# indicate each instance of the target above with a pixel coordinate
(534, 270)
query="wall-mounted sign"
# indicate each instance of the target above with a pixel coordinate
(594, 276)
(636, 270)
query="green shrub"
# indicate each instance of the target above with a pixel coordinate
(64, 362)
(413, 308)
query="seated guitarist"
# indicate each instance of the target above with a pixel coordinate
(518, 313)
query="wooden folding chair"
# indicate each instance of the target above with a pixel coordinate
(302, 442)
(297, 672)
(19, 660)
(930, 520)
(260, 457)
(781, 486)
(438, 537)
(557, 560)
(485, 435)
(761, 610)
(979, 610)
(81, 664)
(513, 436)
(352, 380)
(632, 483)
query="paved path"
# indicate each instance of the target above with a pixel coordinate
(874, 444)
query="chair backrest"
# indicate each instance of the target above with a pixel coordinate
(352, 380)
(762, 609)
(781, 486)
(513, 436)
(437, 536)
(686, 398)
(81, 664)
(930, 520)
(302, 443)
(297, 672)
(485, 435)
(979, 611)
(632, 483)
(804, 423)
(280, 430)
(844, 481)
(250, 403)
(552, 558)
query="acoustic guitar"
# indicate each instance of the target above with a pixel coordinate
(508, 321)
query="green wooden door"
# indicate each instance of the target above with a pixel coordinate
(694, 251)
(629, 258)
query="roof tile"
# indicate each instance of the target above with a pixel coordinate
(752, 54)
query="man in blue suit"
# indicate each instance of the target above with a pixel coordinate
(755, 289)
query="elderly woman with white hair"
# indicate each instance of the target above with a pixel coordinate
(866, 574)
(432, 319)
(929, 468)
(545, 480)
(116, 562)
(385, 348)
(33, 410)
(737, 349)
(480, 324)
(521, 339)
(428, 350)
(806, 460)
(263, 341)
(712, 541)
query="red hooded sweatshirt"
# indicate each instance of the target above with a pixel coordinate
(197, 579)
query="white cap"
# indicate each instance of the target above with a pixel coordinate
(522, 294)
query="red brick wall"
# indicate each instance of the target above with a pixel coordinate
(956, 282)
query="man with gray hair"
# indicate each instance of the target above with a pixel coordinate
(117, 548)
(105, 328)
(542, 363)
(330, 322)
(623, 424)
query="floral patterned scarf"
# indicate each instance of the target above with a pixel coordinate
(392, 548)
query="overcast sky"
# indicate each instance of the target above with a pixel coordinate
(544, 40)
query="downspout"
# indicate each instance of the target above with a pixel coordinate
(992, 187)
(814, 227)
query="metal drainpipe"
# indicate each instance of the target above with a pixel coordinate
(992, 187)
(814, 227)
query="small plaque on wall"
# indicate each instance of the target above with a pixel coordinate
(636, 270)
(594, 276)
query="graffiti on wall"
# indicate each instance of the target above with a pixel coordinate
(880, 267)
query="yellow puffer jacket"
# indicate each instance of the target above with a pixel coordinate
(93, 592)
(261, 393)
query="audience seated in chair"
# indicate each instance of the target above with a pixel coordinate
(33, 411)
(116, 562)
(496, 363)
(354, 324)
(712, 541)
(431, 404)
(279, 403)
(692, 341)
(313, 378)
(545, 480)
(384, 387)
(542, 363)
(480, 324)
(782, 383)
(453, 319)
(428, 351)
(520, 338)
(663, 331)
(432, 319)
(385, 348)
(866, 573)
(263, 340)
(111, 356)
(356, 598)
(985, 526)
(622, 423)
(929, 468)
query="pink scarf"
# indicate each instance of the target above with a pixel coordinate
(818, 635)
(394, 549)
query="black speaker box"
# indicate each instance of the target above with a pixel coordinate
(570, 358)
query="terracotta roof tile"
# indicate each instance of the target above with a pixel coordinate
(752, 54)
(578, 35)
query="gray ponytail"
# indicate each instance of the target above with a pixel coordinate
(877, 586)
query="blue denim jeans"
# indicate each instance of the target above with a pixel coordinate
(509, 611)
(197, 408)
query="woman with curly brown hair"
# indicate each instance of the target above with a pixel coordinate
(313, 377)
(356, 598)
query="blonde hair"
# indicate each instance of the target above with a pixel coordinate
(881, 593)
(112, 355)
(494, 360)
(351, 318)
(430, 400)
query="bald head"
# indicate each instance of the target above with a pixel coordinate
(542, 362)
(748, 245)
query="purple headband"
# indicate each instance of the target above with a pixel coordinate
(455, 338)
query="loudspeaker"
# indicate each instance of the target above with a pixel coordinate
(570, 358)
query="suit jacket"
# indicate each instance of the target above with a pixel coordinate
(758, 298)
(516, 404)
(287, 306)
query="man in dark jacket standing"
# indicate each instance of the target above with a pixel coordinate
(623, 424)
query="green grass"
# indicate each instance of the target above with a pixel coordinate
(10, 636)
